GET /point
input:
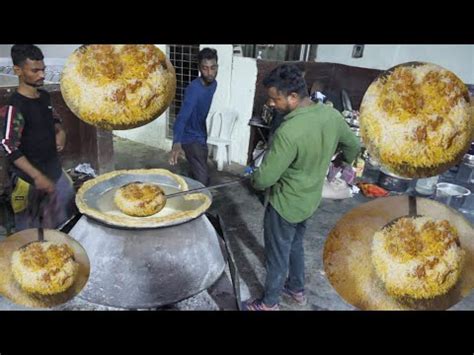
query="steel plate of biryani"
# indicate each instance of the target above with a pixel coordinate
(118, 86)
(44, 268)
(422, 263)
(415, 119)
(418, 257)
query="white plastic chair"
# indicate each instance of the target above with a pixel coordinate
(219, 135)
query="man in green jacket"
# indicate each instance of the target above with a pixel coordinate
(294, 169)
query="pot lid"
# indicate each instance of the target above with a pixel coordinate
(95, 199)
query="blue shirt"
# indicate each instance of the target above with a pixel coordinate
(190, 125)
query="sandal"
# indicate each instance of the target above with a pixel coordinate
(258, 305)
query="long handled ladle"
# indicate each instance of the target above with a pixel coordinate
(39, 206)
(205, 188)
(412, 211)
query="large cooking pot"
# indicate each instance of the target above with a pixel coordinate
(149, 267)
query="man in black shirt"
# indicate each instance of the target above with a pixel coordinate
(32, 138)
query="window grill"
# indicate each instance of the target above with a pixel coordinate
(185, 62)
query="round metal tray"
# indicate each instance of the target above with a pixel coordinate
(12, 291)
(347, 254)
(96, 200)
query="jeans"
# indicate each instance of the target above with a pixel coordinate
(196, 155)
(284, 255)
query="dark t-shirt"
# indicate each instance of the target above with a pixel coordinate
(38, 139)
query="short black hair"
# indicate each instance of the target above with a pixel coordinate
(207, 53)
(287, 78)
(21, 52)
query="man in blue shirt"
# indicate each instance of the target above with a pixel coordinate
(189, 131)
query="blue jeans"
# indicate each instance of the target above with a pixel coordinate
(284, 255)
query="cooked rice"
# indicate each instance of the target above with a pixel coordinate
(140, 199)
(44, 268)
(118, 86)
(418, 257)
(416, 118)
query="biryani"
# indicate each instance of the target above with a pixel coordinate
(140, 199)
(118, 86)
(419, 258)
(44, 268)
(415, 120)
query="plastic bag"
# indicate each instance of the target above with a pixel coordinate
(337, 189)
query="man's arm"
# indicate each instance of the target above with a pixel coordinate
(13, 124)
(42, 182)
(182, 119)
(60, 137)
(60, 133)
(278, 158)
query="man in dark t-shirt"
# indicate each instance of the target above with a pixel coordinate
(32, 136)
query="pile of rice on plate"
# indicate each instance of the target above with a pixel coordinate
(44, 268)
(418, 258)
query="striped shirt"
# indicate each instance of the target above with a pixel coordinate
(27, 129)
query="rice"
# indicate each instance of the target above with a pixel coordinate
(419, 258)
(45, 268)
(140, 199)
(416, 119)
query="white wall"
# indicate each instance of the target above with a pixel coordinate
(242, 92)
(457, 58)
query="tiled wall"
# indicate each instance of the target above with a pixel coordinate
(53, 72)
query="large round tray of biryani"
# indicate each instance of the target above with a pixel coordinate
(415, 119)
(431, 269)
(42, 268)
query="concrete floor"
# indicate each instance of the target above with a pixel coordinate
(242, 215)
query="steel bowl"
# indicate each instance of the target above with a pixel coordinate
(392, 182)
(451, 194)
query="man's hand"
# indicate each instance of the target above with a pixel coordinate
(43, 183)
(338, 160)
(60, 140)
(249, 170)
(176, 152)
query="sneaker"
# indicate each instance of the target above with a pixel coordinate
(295, 297)
(258, 305)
